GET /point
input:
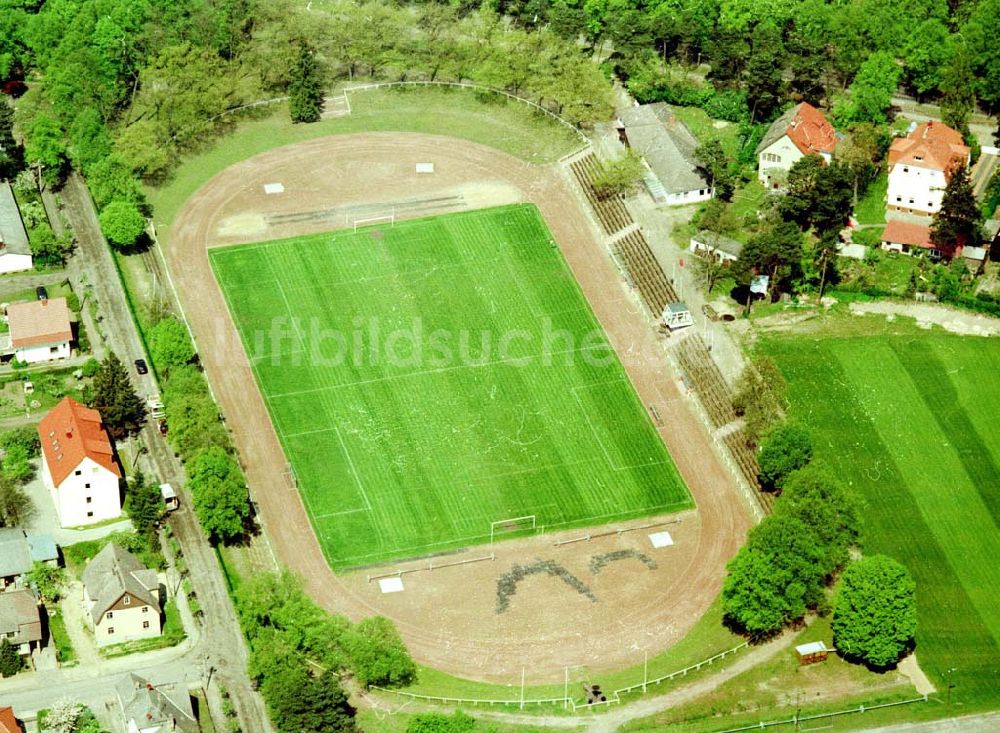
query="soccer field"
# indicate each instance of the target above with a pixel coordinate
(429, 378)
(911, 422)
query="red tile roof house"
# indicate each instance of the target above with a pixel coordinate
(910, 238)
(801, 131)
(40, 330)
(920, 165)
(8, 723)
(79, 466)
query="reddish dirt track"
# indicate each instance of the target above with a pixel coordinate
(447, 616)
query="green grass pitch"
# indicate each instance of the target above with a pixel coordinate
(413, 440)
(911, 421)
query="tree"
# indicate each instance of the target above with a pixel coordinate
(16, 507)
(619, 177)
(760, 397)
(776, 252)
(957, 221)
(122, 223)
(50, 580)
(786, 448)
(926, 53)
(144, 504)
(860, 150)
(815, 496)
(48, 250)
(301, 703)
(824, 259)
(800, 190)
(714, 162)
(17, 464)
(220, 495)
(871, 91)
(121, 408)
(26, 437)
(958, 95)
(45, 149)
(708, 268)
(377, 654)
(11, 155)
(10, 660)
(875, 614)
(833, 198)
(764, 75)
(170, 344)
(305, 92)
(776, 577)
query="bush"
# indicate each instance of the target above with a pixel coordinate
(122, 223)
(25, 437)
(728, 105)
(377, 654)
(459, 722)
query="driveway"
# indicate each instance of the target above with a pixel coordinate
(45, 519)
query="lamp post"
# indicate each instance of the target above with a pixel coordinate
(951, 684)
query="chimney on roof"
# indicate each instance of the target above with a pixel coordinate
(149, 685)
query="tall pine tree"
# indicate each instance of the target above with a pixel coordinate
(957, 222)
(958, 99)
(122, 409)
(305, 93)
(11, 155)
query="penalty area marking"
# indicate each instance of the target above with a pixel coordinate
(425, 167)
(661, 539)
(391, 585)
(270, 188)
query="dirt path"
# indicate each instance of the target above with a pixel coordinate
(927, 314)
(444, 628)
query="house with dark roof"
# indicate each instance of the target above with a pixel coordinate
(148, 708)
(920, 165)
(20, 621)
(673, 175)
(40, 330)
(801, 131)
(15, 251)
(711, 244)
(79, 465)
(19, 550)
(121, 596)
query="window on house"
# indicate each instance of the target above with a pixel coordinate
(109, 614)
(930, 204)
(89, 499)
(145, 609)
(77, 472)
(899, 198)
(906, 169)
(86, 486)
(90, 514)
(53, 349)
(701, 192)
(111, 630)
(127, 600)
(911, 201)
(145, 624)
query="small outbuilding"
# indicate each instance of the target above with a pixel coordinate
(712, 244)
(814, 651)
(677, 315)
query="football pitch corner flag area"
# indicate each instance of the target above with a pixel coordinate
(430, 377)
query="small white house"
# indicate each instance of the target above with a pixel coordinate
(677, 315)
(919, 166)
(79, 466)
(710, 244)
(15, 251)
(801, 131)
(40, 330)
(121, 596)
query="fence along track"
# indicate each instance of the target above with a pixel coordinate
(610, 210)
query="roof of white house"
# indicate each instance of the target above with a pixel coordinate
(931, 145)
(71, 432)
(667, 146)
(806, 127)
(156, 707)
(13, 237)
(114, 572)
(813, 647)
(719, 242)
(39, 322)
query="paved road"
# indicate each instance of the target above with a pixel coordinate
(222, 641)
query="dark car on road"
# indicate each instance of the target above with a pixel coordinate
(140, 366)
(41, 293)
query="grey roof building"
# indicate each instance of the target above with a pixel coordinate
(724, 247)
(115, 572)
(667, 146)
(20, 622)
(20, 550)
(13, 236)
(148, 708)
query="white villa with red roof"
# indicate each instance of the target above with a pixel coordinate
(40, 330)
(919, 166)
(801, 131)
(78, 465)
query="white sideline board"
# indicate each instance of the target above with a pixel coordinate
(425, 167)
(273, 188)
(661, 539)
(390, 585)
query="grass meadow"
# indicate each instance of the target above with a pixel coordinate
(911, 422)
(433, 377)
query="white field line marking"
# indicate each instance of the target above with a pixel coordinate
(354, 470)
(436, 371)
(311, 432)
(586, 416)
(291, 316)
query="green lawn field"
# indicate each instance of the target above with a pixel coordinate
(429, 378)
(911, 421)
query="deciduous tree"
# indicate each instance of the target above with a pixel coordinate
(11, 155)
(716, 165)
(16, 507)
(220, 495)
(958, 95)
(50, 580)
(875, 615)
(377, 653)
(170, 344)
(776, 252)
(871, 91)
(122, 223)
(621, 176)
(785, 449)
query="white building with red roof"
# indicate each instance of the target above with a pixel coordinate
(79, 466)
(40, 330)
(919, 166)
(801, 131)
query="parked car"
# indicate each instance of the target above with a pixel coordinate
(140, 366)
(41, 293)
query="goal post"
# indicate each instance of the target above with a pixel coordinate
(362, 222)
(513, 524)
